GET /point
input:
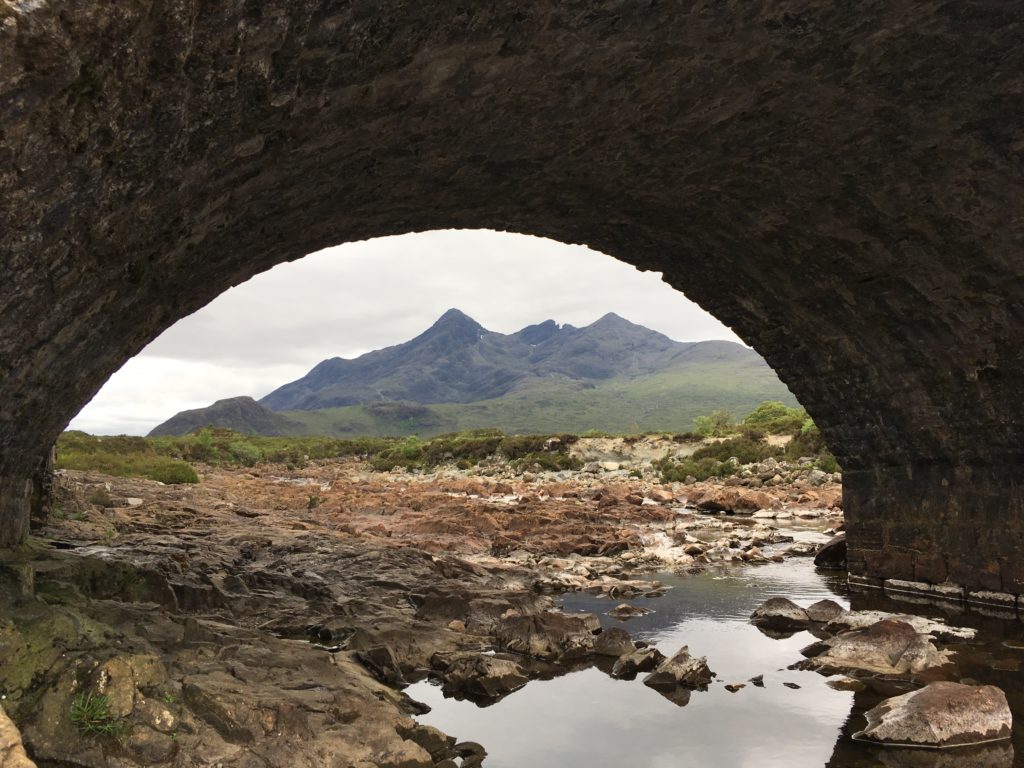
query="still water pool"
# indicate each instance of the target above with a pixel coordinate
(796, 720)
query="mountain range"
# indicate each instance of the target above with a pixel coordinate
(611, 375)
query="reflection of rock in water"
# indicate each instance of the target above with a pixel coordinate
(678, 696)
(854, 754)
(987, 756)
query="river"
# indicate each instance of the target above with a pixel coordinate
(795, 719)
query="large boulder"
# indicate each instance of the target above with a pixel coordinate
(549, 636)
(12, 753)
(681, 671)
(941, 714)
(887, 647)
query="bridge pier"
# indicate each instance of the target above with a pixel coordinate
(15, 509)
(961, 526)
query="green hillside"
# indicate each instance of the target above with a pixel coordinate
(669, 400)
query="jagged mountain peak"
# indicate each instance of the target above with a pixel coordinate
(458, 361)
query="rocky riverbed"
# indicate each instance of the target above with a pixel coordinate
(272, 617)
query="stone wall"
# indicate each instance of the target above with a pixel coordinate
(840, 183)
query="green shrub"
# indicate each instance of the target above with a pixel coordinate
(173, 473)
(826, 462)
(746, 450)
(245, 453)
(547, 461)
(700, 469)
(775, 418)
(807, 441)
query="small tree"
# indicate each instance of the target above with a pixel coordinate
(718, 422)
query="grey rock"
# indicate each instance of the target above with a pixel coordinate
(942, 714)
(780, 613)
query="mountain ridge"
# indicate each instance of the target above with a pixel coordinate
(457, 372)
(457, 360)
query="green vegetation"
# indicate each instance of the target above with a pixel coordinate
(90, 713)
(167, 458)
(122, 456)
(716, 424)
(467, 449)
(775, 418)
(746, 445)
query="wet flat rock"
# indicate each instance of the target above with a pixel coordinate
(942, 714)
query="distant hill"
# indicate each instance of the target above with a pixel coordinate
(612, 375)
(242, 414)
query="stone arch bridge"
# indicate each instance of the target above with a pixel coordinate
(842, 183)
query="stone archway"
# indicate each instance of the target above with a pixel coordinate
(842, 184)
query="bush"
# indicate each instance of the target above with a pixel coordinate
(808, 441)
(775, 418)
(173, 473)
(700, 469)
(746, 450)
(122, 456)
(547, 461)
(826, 462)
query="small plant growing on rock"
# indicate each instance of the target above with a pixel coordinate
(100, 497)
(91, 715)
(314, 501)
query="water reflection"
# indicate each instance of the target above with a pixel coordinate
(588, 718)
(794, 719)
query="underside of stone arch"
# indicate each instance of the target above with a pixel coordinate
(840, 183)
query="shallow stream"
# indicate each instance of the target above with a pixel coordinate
(796, 720)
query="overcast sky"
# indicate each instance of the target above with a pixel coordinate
(347, 300)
